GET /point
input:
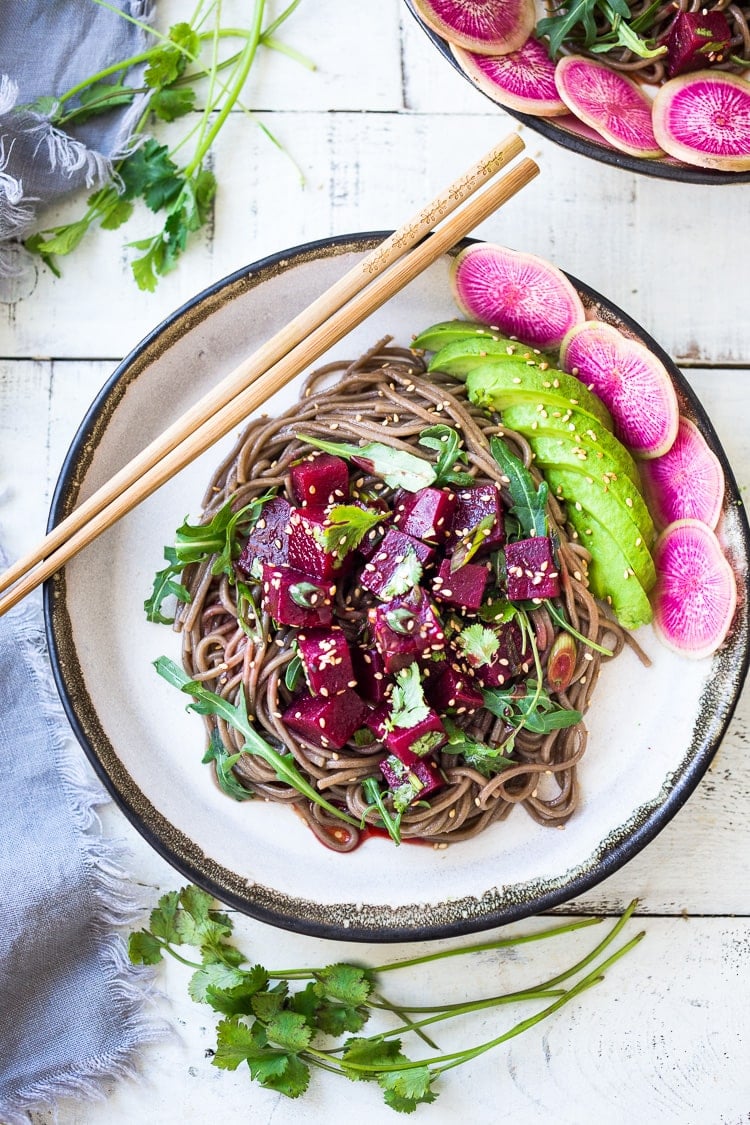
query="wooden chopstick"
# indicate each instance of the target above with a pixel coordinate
(385, 280)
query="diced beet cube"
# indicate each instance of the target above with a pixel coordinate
(453, 689)
(474, 505)
(426, 514)
(268, 541)
(464, 587)
(411, 772)
(697, 40)
(326, 722)
(306, 550)
(377, 719)
(510, 661)
(406, 628)
(373, 682)
(292, 598)
(326, 661)
(531, 569)
(320, 480)
(390, 571)
(425, 737)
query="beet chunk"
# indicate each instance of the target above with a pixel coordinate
(425, 737)
(464, 587)
(474, 505)
(326, 722)
(697, 40)
(292, 598)
(405, 628)
(510, 661)
(531, 569)
(453, 689)
(326, 661)
(390, 571)
(306, 550)
(372, 679)
(426, 514)
(268, 541)
(377, 719)
(410, 777)
(320, 480)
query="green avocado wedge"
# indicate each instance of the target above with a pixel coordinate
(501, 382)
(449, 331)
(459, 357)
(559, 453)
(607, 509)
(609, 574)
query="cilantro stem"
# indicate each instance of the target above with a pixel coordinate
(563, 622)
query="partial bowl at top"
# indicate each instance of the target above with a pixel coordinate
(652, 731)
(579, 137)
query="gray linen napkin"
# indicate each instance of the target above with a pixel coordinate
(72, 1010)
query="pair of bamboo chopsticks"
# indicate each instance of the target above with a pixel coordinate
(448, 218)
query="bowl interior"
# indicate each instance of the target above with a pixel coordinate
(573, 134)
(649, 742)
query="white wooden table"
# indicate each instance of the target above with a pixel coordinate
(377, 129)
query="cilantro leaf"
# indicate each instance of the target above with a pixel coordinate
(406, 575)
(163, 919)
(268, 1004)
(235, 1044)
(529, 501)
(397, 467)
(335, 1019)
(478, 643)
(485, 759)
(408, 705)
(213, 976)
(144, 948)
(169, 103)
(150, 172)
(290, 1030)
(348, 525)
(406, 1089)
(292, 1081)
(447, 441)
(237, 999)
(344, 982)
(100, 97)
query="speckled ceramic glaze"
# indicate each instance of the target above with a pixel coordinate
(652, 731)
(573, 134)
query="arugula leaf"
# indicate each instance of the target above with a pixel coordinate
(348, 527)
(529, 501)
(391, 823)
(534, 710)
(605, 24)
(397, 468)
(217, 753)
(408, 705)
(293, 672)
(207, 702)
(447, 441)
(478, 643)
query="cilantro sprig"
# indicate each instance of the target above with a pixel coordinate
(187, 66)
(347, 525)
(279, 1022)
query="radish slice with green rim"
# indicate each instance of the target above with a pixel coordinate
(519, 294)
(696, 593)
(631, 382)
(686, 482)
(610, 103)
(489, 27)
(522, 80)
(704, 119)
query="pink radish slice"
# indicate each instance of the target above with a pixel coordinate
(695, 594)
(704, 119)
(519, 294)
(523, 79)
(686, 482)
(610, 103)
(489, 27)
(629, 380)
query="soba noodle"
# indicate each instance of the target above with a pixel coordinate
(383, 397)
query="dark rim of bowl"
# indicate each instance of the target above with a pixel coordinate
(310, 918)
(583, 146)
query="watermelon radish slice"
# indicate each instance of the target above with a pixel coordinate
(520, 294)
(686, 482)
(489, 27)
(629, 380)
(704, 119)
(522, 79)
(610, 103)
(695, 594)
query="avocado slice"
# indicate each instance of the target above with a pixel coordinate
(459, 356)
(505, 381)
(610, 579)
(607, 509)
(577, 426)
(552, 452)
(448, 331)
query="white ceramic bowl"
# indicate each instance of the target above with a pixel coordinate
(652, 731)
